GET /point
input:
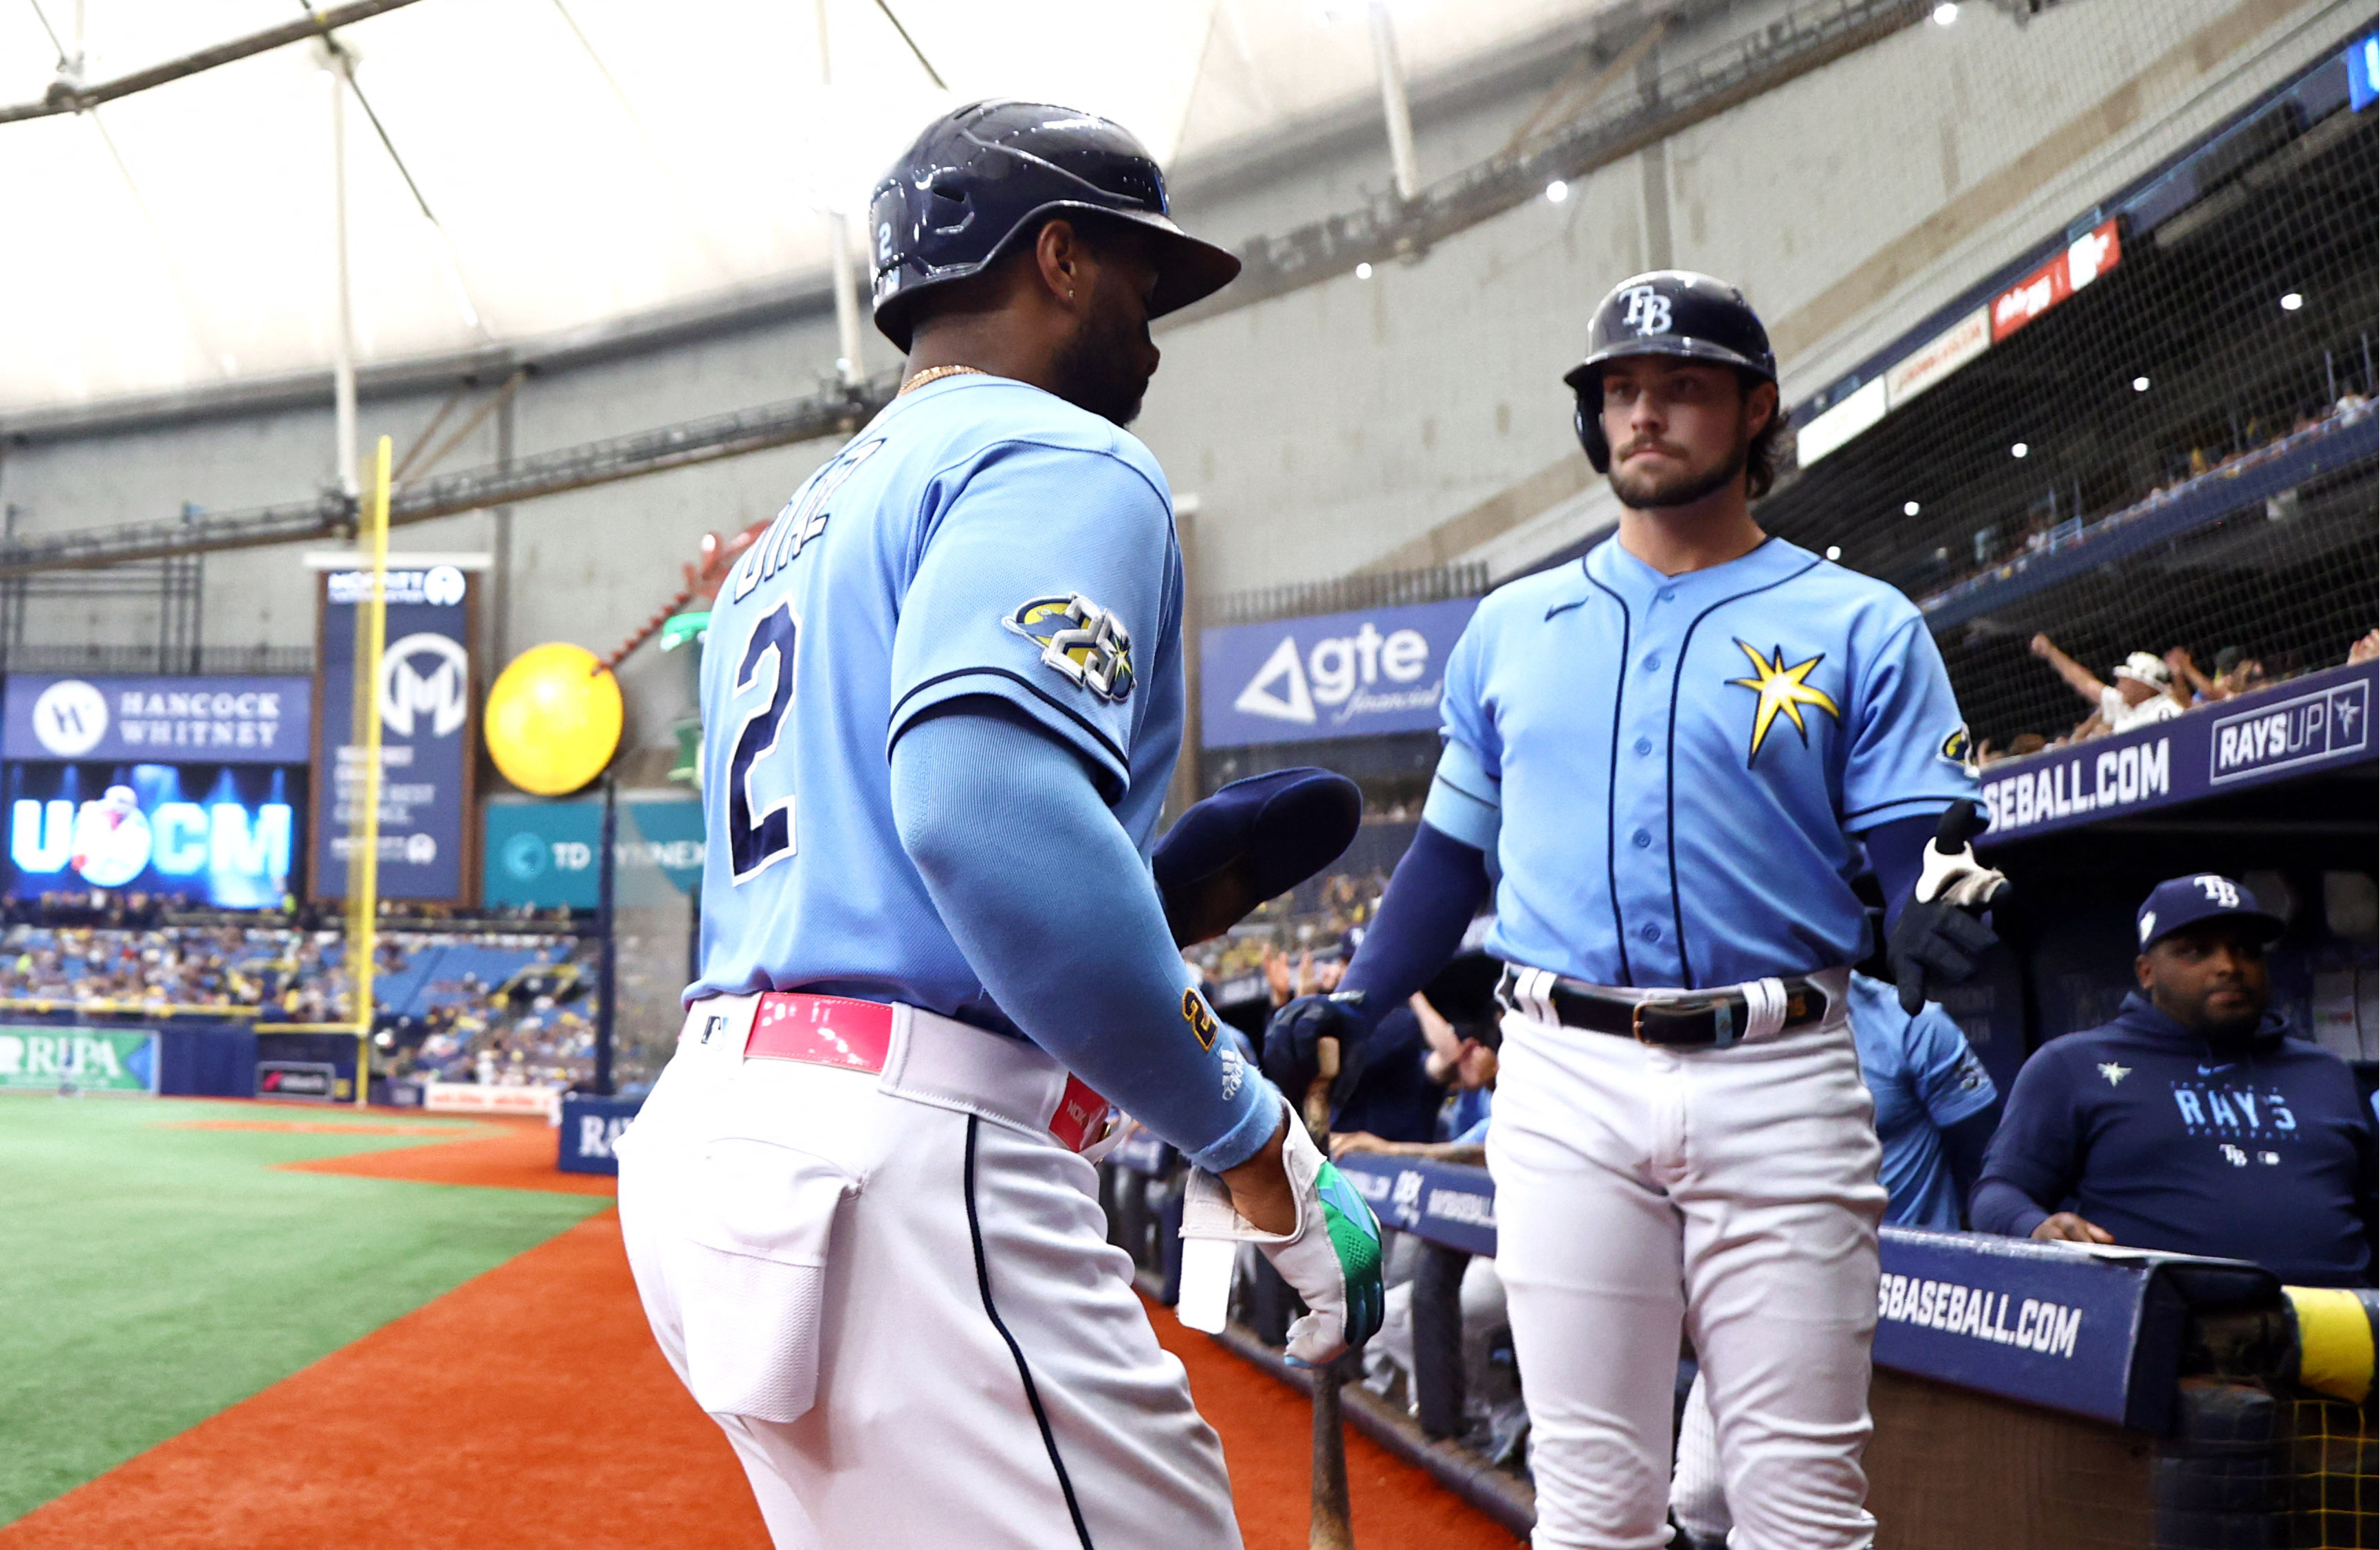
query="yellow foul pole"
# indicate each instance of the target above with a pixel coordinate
(363, 860)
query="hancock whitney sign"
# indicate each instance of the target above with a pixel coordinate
(1327, 675)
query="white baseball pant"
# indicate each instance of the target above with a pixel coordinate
(1732, 1191)
(895, 1296)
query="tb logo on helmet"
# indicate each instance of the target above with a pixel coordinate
(1648, 310)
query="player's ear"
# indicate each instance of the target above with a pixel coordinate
(1064, 261)
(2140, 973)
(1760, 405)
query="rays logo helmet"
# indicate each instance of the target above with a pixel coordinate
(981, 175)
(1080, 641)
(1668, 311)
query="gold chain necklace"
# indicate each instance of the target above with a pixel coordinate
(936, 373)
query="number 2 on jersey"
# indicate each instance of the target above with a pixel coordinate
(757, 839)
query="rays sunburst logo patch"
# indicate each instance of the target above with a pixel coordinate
(1783, 691)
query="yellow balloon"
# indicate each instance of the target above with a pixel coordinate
(553, 719)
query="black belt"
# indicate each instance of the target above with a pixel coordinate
(1712, 1021)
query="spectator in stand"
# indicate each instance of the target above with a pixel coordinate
(2142, 693)
(2366, 649)
(1934, 1116)
(2191, 1123)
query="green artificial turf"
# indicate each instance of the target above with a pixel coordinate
(151, 1276)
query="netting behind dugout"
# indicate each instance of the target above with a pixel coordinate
(2180, 453)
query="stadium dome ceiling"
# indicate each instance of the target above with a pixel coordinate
(584, 160)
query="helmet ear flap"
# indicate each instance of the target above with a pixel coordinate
(1590, 430)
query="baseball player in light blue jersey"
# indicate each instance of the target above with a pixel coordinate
(1677, 750)
(1935, 1110)
(942, 700)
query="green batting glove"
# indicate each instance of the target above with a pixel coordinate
(1332, 1259)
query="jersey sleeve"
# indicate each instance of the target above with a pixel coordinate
(1909, 752)
(1952, 1081)
(1463, 715)
(1047, 577)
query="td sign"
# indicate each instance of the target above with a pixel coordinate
(1331, 675)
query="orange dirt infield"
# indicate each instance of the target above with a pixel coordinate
(494, 1154)
(529, 1408)
(1267, 1429)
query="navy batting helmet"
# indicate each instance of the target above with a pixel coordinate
(983, 173)
(1668, 311)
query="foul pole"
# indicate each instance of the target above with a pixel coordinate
(363, 855)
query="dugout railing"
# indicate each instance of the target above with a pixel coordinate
(2027, 1396)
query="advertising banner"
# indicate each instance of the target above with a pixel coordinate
(226, 833)
(87, 1059)
(312, 1082)
(1330, 675)
(210, 720)
(591, 1127)
(427, 707)
(2319, 722)
(470, 1097)
(2085, 258)
(542, 853)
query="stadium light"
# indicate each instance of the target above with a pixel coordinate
(1363, 272)
(2140, 384)
(1909, 508)
(1557, 190)
(2291, 302)
(1834, 551)
(2018, 450)
(1945, 12)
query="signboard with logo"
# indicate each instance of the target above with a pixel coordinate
(543, 853)
(591, 1127)
(308, 1081)
(106, 719)
(2320, 722)
(426, 702)
(224, 833)
(1330, 676)
(2085, 258)
(1935, 360)
(87, 1060)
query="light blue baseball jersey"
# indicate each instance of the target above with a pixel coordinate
(1681, 762)
(980, 537)
(1925, 1078)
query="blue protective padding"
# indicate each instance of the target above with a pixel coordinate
(1431, 896)
(1048, 897)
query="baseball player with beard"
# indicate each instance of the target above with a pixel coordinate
(942, 700)
(1675, 749)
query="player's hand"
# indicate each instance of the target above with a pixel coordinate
(1292, 1055)
(1939, 937)
(1331, 1257)
(1260, 1189)
(2067, 1227)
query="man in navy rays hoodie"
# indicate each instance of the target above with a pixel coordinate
(2191, 1123)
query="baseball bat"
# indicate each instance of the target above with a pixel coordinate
(1331, 1527)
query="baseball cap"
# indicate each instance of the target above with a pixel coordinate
(2207, 896)
(2142, 668)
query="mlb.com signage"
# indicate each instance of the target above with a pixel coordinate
(1330, 675)
(2319, 722)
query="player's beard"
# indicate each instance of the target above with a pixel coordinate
(1656, 492)
(1098, 368)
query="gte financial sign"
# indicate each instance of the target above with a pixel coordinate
(1330, 675)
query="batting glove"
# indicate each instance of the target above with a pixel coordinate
(1292, 1055)
(1939, 937)
(1332, 1260)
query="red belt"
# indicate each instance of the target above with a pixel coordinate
(855, 1035)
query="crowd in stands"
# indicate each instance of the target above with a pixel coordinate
(486, 1006)
(2148, 688)
(2043, 532)
(1290, 943)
